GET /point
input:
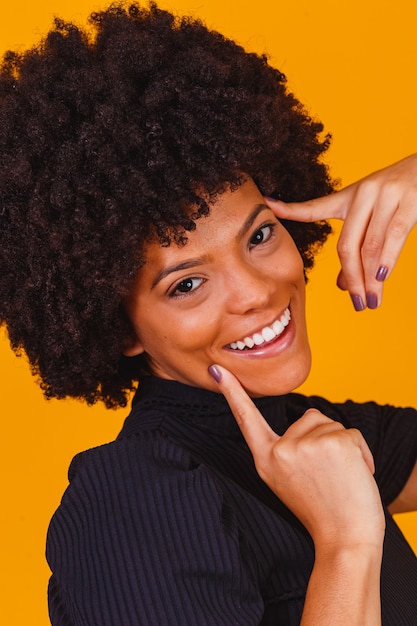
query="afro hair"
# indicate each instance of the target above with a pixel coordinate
(107, 135)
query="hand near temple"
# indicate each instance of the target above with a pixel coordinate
(379, 212)
(324, 474)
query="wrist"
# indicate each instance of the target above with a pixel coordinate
(360, 556)
(366, 537)
(344, 587)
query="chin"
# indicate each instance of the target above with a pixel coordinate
(279, 383)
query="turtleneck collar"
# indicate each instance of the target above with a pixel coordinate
(183, 403)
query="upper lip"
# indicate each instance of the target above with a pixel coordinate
(260, 328)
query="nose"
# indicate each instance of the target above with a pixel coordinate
(248, 289)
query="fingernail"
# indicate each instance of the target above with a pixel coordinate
(215, 373)
(381, 273)
(372, 300)
(269, 199)
(357, 303)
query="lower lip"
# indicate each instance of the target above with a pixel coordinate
(270, 349)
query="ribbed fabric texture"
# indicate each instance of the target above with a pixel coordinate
(171, 525)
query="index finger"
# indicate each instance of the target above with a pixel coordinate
(258, 434)
(331, 206)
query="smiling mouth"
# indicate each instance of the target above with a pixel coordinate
(265, 335)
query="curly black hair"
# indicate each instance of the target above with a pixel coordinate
(107, 135)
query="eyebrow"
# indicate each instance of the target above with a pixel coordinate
(250, 220)
(185, 265)
(190, 263)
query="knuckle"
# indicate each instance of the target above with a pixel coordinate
(355, 434)
(278, 457)
(398, 228)
(345, 439)
(241, 413)
(392, 188)
(315, 416)
(334, 443)
(370, 187)
(371, 246)
(344, 248)
(312, 412)
(282, 450)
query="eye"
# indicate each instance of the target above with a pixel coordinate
(185, 287)
(262, 235)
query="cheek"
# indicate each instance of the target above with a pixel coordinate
(180, 330)
(195, 330)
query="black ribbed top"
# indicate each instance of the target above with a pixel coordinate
(171, 525)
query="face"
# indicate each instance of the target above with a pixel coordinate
(233, 295)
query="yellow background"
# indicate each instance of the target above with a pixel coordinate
(353, 64)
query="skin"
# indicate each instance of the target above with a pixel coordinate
(341, 509)
(236, 284)
(378, 212)
(243, 270)
(238, 273)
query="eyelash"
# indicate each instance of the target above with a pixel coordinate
(176, 293)
(271, 227)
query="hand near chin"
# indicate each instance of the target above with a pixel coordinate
(320, 470)
(379, 212)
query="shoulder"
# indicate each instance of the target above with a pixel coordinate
(144, 451)
(353, 414)
(130, 470)
(119, 495)
(381, 425)
(137, 529)
(133, 478)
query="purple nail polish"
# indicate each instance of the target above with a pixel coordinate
(215, 373)
(269, 199)
(381, 273)
(372, 300)
(357, 302)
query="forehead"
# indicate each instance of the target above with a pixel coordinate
(228, 214)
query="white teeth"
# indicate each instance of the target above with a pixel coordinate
(249, 342)
(266, 334)
(278, 327)
(257, 339)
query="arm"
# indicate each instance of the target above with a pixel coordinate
(139, 539)
(323, 473)
(344, 588)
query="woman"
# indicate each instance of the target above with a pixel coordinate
(137, 245)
